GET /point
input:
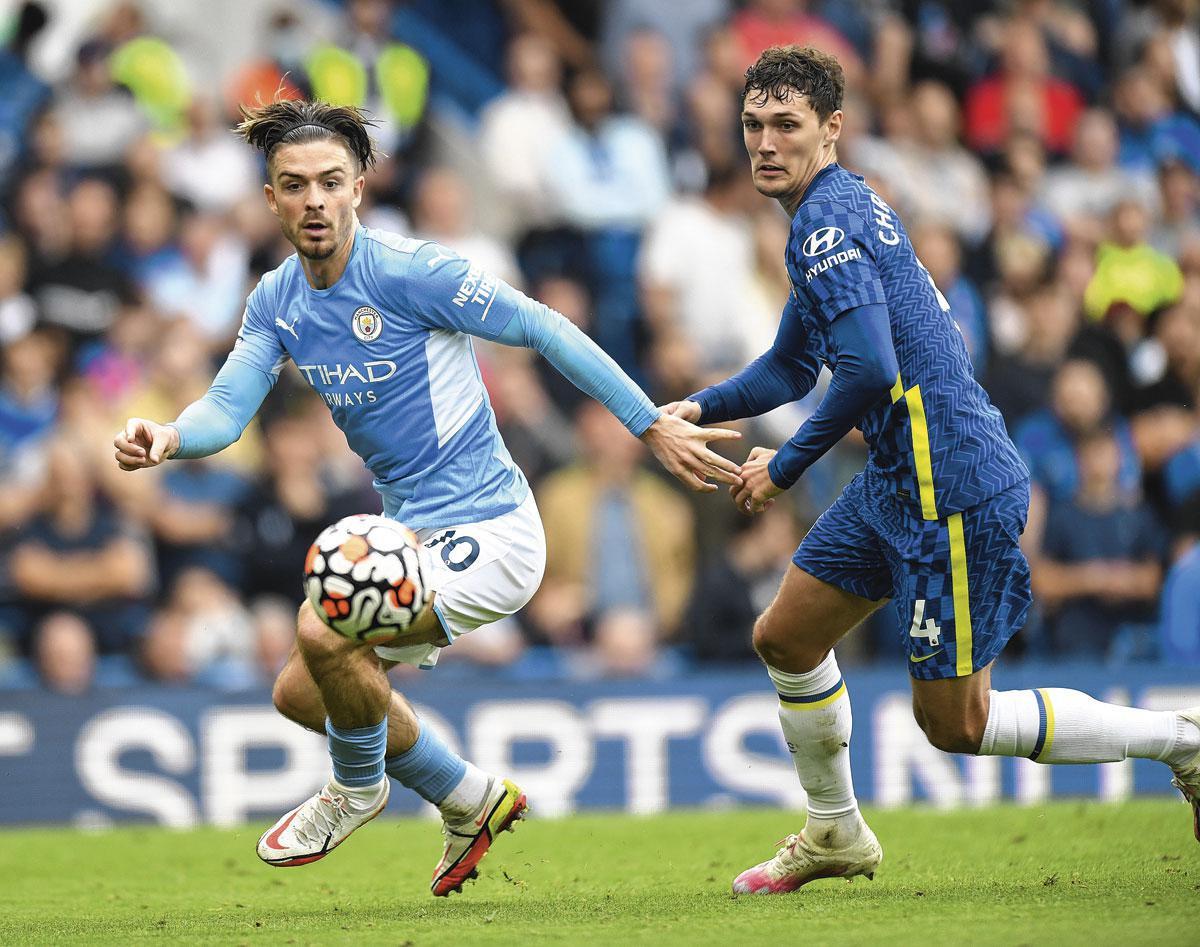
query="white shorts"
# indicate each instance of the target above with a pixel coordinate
(481, 572)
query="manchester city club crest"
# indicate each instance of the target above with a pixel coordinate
(367, 323)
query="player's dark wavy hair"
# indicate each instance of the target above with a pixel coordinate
(785, 71)
(297, 122)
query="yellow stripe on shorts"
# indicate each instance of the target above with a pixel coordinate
(962, 599)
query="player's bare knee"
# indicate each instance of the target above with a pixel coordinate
(296, 697)
(316, 639)
(961, 735)
(784, 647)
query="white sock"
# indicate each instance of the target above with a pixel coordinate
(465, 799)
(360, 798)
(1057, 725)
(814, 711)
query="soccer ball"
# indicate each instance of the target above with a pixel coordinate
(363, 577)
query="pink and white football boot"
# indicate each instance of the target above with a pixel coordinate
(799, 861)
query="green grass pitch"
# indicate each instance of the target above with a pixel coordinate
(1066, 873)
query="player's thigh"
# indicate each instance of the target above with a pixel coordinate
(805, 620)
(839, 575)
(479, 573)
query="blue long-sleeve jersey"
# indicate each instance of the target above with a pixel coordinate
(935, 440)
(388, 348)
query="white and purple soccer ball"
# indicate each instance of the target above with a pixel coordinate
(363, 577)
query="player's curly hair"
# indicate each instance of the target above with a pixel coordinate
(296, 122)
(785, 71)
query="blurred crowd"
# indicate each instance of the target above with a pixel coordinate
(1044, 155)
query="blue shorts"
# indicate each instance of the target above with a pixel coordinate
(959, 584)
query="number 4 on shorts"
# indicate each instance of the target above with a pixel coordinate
(929, 629)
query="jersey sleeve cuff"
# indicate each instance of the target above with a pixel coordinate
(640, 423)
(711, 405)
(781, 467)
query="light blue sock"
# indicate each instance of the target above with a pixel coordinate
(429, 768)
(358, 753)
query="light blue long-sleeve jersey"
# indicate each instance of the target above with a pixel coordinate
(387, 347)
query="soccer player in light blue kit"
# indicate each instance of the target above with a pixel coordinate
(933, 522)
(380, 325)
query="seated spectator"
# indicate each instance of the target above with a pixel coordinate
(516, 128)
(1129, 270)
(442, 211)
(1151, 128)
(1179, 222)
(1019, 384)
(1100, 568)
(83, 574)
(1079, 408)
(695, 270)
(205, 635)
(209, 167)
(617, 537)
(1092, 183)
(81, 291)
(764, 23)
(98, 118)
(609, 179)
(1023, 95)
(737, 584)
(207, 281)
(935, 178)
(285, 509)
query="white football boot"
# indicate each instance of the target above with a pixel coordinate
(800, 861)
(1187, 777)
(467, 842)
(319, 825)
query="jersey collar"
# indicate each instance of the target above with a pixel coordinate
(823, 173)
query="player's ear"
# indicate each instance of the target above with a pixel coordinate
(358, 190)
(833, 127)
(271, 202)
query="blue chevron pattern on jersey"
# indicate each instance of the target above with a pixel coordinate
(874, 548)
(938, 442)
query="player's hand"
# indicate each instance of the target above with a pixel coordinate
(688, 410)
(144, 444)
(682, 448)
(757, 490)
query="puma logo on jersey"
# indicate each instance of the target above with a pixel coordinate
(288, 328)
(440, 253)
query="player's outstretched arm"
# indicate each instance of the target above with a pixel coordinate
(502, 314)
(784, 373)
(680, 446)
(866, 370)
(204, 427)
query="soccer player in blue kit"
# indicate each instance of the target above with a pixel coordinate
(933, 522)
(380, 326)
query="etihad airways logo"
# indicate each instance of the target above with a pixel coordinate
(336, 375)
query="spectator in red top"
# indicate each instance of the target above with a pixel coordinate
(766, 23)
(1022, 96)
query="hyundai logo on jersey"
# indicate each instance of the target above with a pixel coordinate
(823, 240)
